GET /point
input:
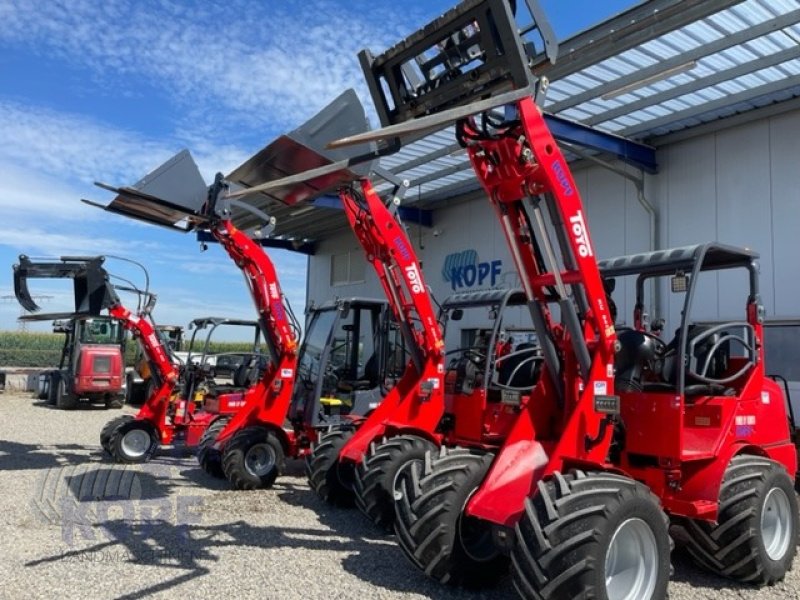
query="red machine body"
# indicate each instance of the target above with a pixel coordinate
(550, 432)
(263, 406)
(99, 371)
(267, 402)
(415, 404)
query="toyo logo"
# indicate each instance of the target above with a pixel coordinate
(414, 279)
(464, 270)
(577, 226)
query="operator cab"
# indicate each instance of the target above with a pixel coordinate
(493, 360)
(352, 353)
(218, 362)
(704, 356)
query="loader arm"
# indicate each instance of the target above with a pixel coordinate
(268, 401)
(416, 403)
(297, 168)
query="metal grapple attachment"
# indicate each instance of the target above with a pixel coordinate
(93, 292)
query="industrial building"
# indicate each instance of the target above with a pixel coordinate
(681, 123)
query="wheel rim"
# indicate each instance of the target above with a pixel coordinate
(260, 460)
(632, 562)
(135, 443)
(776, 524)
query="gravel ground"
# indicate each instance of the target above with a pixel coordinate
(76, 526)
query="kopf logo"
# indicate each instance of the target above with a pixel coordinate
(463, 270)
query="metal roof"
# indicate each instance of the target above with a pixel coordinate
(659, 262)
(659, 67)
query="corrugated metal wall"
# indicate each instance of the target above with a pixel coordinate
(740, 186)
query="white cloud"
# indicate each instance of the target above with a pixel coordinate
(75, 147)
(268, 63)
(27, 196)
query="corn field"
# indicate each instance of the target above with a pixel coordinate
(27, 349)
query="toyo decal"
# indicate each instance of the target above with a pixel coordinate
(577, 226)
(414, 279)
(464, 270)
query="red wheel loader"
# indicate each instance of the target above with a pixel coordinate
(622, 436)
(92, 365)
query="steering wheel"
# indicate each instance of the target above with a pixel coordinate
(660, 344)
(474, 356)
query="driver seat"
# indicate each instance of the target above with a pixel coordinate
(517, 376)
(718, 363)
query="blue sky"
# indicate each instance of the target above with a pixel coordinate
(108, 89)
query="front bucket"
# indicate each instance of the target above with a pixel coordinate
(304, 149)
(170, 196)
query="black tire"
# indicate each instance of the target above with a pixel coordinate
(564, 535)
(735, 547)
(375, 476)
(210, 458)
(327, 476)
(108, 430)
(65, 399)
(244, 447)
(44, 395)
(115, 401)
(430, 497)
(121, 451)
(134, 393)
(52, 387)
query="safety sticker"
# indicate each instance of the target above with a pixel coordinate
(600, 388)
(765, 397)
(745, 425)
(287, 373)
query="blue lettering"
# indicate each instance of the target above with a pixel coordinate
(400, 244)
(455, 279)
(483, 271)
(497, 268)
(463, 270)
(562, 178)
(470, 273)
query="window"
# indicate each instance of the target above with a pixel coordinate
(347, 268)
